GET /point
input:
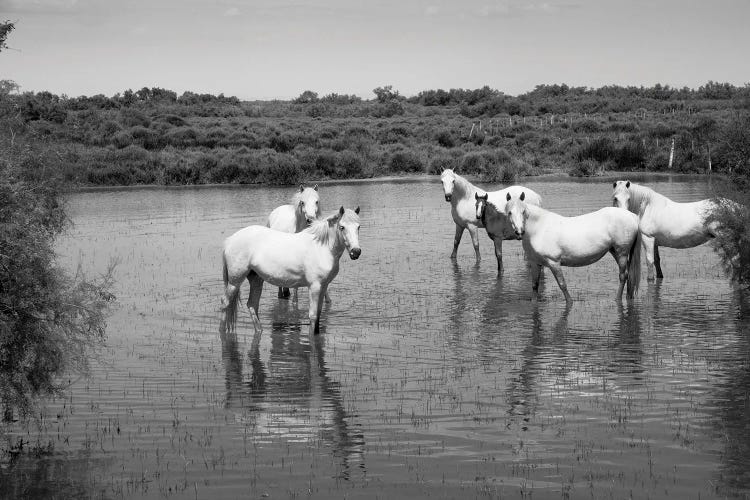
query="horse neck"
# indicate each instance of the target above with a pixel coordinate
(641, 197)
(533, 213)
(464, 187)
(328, 237)
(299, 218)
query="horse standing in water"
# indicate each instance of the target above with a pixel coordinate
(664, 222)
(551, 240)
(496, 223)
(294, 217)
(309, 258)
(460, 194)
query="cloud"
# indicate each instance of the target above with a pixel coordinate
(518, 8)
(46, 6)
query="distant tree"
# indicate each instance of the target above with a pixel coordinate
(5, 29)
(307, 97)
(385, 94)
(8, 87)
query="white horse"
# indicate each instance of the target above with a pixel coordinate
(495, 222)
(460, 193)
(294, 217)
(551, 240)
(664, 222)
(309, 258)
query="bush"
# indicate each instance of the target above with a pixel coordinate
(122, 139)
(601, 150)
(631, 156)
(349, 165)
(587, 168)
(182, 173)
(182, 137)
(49, 320)
(282, 170)
(145, 137)
(587, 126)
(405, 161)
(442, 162)
(473, 163)
(132, 117)
(733, 242)
(445, 138)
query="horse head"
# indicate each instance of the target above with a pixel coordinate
(348, 230)
(515, 210)
(481, 204)
(308, 202)
(621, 194)
(448, 178)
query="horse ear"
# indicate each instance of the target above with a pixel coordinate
(614, 184)
(507, 197)
(341, 210)
(523, 195)
(315, 187)
(476, 196)
(356, 210)
(627, 184)
(486, 195)
(301, 187)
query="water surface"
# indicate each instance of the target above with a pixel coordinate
(430, 378)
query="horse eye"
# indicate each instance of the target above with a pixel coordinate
(341, 228)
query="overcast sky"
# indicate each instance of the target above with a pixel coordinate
(264, 49)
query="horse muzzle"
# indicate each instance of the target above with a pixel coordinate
(354, 253)
(519, 235)
(448, 197)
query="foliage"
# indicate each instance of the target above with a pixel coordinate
(5, 29)
(733, 242)
(49, 320)
(553, 128)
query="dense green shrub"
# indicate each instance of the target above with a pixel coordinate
(405, 161)
(733, 243)
(349, 165)
(442, 162)
(587, 168)
(49, 320)
(631, 156)
(131, 117)
(146, 138)
(601, 150)
(445, 139)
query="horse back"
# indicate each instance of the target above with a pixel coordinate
(677, 225)
(283, 218)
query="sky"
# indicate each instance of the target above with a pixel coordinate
(276, 49)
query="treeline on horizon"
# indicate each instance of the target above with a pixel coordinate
(154, 136)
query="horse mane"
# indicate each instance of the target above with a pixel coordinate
(640, 197)
(297, 197)
(321, 232)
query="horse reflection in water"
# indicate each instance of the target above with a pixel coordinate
(291, 396)
(553, 364)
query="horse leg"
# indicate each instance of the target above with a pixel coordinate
(648, 243)
(316, 289)
(473, 232)
(536, 274)
(498, 241)
(557, 271)
(327, 297)
(457, 240)
(622, 263)
(253, 299)
(657, 261)
(283, 293)
(294, 299)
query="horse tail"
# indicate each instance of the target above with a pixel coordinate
(634, 265)
(229, 303)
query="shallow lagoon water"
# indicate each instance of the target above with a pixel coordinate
(430, 378)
